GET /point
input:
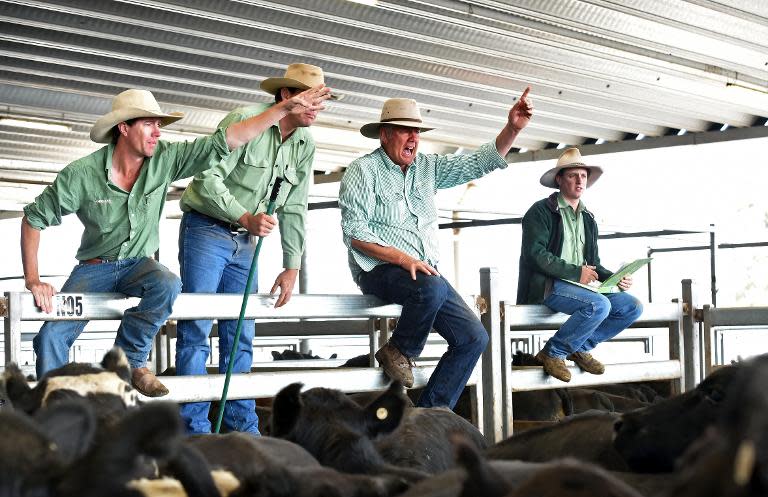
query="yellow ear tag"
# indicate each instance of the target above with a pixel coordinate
(382, 413)
(744, 463)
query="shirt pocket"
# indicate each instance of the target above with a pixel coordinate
(424, 200)
(251, 172)
(97, 215)
(390, 207)
(149, 206)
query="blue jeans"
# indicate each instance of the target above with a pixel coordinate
(137, 277)
(214, 260)
(431, 302)
(595, 317)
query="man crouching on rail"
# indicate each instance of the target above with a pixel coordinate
(389, 222)
(118, 193)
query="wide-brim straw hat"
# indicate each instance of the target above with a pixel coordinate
(571, 157)
(399, 112)
(127, 105)
(301, 76)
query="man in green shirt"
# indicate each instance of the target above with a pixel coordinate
(389, 223)
(224, 209)
(118, 193)
(559, 246)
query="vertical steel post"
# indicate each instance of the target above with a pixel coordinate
(691, 337)
(712, 265)
(492, 357)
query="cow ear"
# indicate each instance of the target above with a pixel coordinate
(286, 409)
(17, 388)
(70, 425)
(386, 411)
(115, 361)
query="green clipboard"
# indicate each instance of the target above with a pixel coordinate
(609, 285)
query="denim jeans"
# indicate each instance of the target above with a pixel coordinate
(595, 317)
(214, 260)
(137, 277)
(431, 302)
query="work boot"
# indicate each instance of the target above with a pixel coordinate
(147, 383)
(554, 366)
(396, 366)
(586, 362)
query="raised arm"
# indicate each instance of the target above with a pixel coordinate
(240, 133)
(30, 243)
(519, 116)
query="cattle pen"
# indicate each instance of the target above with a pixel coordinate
(690, 331)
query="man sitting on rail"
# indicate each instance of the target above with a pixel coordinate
(389, 223)
(118, 193)
(560, 245)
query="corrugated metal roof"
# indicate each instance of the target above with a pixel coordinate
(601, 70)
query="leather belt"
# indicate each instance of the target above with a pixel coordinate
(231, 227)
(97, 260)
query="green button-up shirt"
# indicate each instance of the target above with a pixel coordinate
(120, 224)
(379, 204)
(242, 182)
(573, 231)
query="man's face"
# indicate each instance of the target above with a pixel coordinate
(142, 135)
(303, 120)
(572, 182)
(400, 143)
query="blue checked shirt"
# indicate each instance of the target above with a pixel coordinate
(379, 204)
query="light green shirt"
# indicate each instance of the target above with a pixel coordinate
(573, 231)
(243, 181)
(120, 224)
(379, 204)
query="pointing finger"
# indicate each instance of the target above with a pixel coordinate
(525, 93)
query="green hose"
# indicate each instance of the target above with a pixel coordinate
(248, 284)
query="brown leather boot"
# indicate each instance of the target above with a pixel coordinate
(554, 367)
(147, 383)
(396, 366)
(586, 362)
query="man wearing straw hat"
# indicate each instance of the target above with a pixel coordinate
(224, 207)
(389, 223)
(118, 193)
(559, 245)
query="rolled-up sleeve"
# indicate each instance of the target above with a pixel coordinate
(55, 202)
(293, 214)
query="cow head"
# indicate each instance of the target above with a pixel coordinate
(651, 439)
(333, 428)
(108, 385)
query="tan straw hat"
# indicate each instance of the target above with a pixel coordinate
(129, 105)
(301, 76)
(571, 157)
(397, 111)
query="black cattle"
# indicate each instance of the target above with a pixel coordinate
(651, 439)
(108, 386)
(337, 431)
(731, 458)
(272, 467)
(145, 439)
(34, 453)
(587, 437)
(422, 441)
(292, 355)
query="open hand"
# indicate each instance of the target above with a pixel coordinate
(308, 100)
(43, 293)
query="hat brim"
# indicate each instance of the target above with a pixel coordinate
(272, 85)
(371, 130)
(101, 132)
(548, 178)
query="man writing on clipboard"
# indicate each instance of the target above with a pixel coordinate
(559, 247)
